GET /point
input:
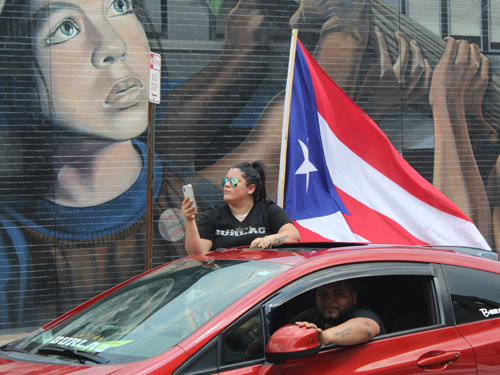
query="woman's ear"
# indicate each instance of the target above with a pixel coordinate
(251, 189)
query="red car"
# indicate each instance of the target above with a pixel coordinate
(229, 313)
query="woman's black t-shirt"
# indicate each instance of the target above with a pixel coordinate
(219, 225)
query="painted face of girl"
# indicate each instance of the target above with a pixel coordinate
(92, 61)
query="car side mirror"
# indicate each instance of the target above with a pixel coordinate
(292, 342)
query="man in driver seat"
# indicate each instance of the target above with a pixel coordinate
(338, 319)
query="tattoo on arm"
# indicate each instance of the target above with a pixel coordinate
(345, 332)
(281, 239)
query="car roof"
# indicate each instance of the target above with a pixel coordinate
(341, 253)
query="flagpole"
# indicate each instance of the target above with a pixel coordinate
(286, 118)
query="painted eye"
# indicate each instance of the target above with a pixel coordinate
(66, 30)
(119, 7)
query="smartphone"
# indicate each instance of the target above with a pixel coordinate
(189, 193)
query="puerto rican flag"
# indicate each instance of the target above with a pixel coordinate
(345, 182)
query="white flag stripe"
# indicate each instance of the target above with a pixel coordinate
(358, 179)
(332, 227)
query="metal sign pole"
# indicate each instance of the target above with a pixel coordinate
(154, 98)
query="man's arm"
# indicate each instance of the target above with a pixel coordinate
(354, 331)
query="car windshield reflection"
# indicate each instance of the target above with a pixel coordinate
(153, 313)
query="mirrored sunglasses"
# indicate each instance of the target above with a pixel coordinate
(233, 181)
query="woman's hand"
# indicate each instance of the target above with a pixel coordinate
(262, 243)
(188, 209)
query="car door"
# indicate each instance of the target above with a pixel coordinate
(417, 340)
(475, 297)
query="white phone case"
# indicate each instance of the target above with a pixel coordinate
(189, 193)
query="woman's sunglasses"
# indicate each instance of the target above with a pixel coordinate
(233, 181)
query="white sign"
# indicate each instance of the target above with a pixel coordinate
(154, 78)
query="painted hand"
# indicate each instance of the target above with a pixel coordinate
(323, 16)
(474, 94)
(247, 26)
(386, 86)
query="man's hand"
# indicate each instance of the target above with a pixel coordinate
(322, 337)
(252, 329)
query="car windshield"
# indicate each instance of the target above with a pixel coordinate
(151, 314)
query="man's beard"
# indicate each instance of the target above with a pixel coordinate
(341, 318)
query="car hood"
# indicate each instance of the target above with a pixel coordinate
(31, 368)
(21, 364)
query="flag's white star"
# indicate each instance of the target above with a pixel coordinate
(306, 167)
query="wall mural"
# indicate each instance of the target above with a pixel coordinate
(73, 112)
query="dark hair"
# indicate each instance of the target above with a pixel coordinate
(348, 283)
(27, 128)
(255, 174)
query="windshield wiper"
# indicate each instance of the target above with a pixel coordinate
(75, 354)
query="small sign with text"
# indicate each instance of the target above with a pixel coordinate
(154, 78)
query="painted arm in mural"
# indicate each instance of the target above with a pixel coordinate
(477, 123)
(344, 28)
(236, 73)
(493, 190)
(460, 75)
(387, 87)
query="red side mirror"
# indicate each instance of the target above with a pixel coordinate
(292, 341)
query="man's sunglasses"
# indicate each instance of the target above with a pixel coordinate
(233, 181)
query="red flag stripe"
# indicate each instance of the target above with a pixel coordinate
(340, 111)
(375, 226)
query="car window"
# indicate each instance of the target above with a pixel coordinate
(204, 361)
(244, 341)
(475, 294)
(403, 302)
